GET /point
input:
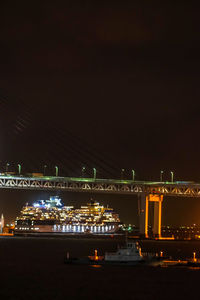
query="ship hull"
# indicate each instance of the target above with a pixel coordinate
(64, 229)
(118, 236)
(86, 261)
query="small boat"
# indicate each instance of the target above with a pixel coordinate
(130, 255)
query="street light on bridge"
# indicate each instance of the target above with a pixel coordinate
(161, 176)
(133, 175)
(44, 172)
(7, 165)
(94, 173)
(83, 171)
(56, 171)
(122, 174)
(19, 169)
(172, 176)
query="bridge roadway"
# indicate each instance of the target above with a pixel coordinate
(177, 188)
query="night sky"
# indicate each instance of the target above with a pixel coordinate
(117, 80)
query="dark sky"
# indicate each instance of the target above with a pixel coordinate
(121, 76)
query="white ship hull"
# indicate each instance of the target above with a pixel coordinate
(66, 229)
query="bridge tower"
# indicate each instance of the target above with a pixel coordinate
(144, 212)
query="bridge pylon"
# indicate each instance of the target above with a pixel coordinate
(144, 214)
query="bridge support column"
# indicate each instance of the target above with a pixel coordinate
(143, 215)
(144, 211)
(157, 199)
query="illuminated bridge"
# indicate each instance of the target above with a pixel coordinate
(146, 190)
(178, 188)
(41, 146)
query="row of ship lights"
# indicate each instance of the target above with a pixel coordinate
(75, 228)
(94, 172)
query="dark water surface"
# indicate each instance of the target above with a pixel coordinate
(33, 268)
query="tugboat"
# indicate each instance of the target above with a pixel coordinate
(130, 255)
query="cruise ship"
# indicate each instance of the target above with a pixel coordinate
(51, 216)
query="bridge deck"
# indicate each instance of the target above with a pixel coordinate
(178, 188)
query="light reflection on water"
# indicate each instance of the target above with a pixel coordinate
(194, 268)
(95, 266)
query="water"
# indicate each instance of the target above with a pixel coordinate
(33, 268)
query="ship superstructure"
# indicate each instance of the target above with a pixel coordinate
(46, 216)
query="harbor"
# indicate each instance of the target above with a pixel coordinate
(38, 270)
